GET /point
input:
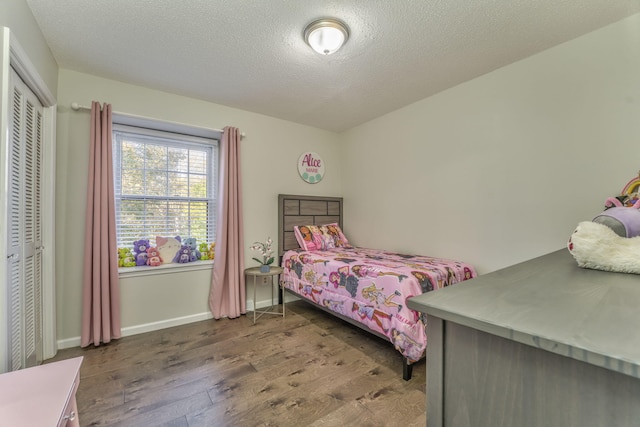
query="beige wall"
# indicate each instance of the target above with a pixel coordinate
(493, 171)
(269, 155)
(501, 169)
(16, 15)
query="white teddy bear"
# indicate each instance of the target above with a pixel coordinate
(597, 246)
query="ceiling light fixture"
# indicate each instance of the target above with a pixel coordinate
(326, 35)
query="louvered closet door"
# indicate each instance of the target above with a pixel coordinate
(24, 226)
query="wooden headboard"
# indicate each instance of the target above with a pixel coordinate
(304, 210)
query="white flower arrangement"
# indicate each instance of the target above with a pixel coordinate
(265, 250)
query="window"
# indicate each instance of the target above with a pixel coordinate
(165, 185)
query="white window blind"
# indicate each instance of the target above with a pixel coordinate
(165, 185)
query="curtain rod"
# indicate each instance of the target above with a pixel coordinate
(75, 106)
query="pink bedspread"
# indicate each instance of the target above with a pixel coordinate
(372, 286)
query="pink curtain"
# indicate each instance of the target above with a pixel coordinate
(101, 288)
(227, 295)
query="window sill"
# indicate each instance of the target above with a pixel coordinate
(127, 272)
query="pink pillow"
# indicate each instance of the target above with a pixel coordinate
(320, 238)
(308, 237)
(339, 239)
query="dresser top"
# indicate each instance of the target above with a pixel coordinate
(37, 396)
(550, 303)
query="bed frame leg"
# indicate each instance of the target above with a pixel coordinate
(407, 369)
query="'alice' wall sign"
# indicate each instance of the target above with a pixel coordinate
(311, 167)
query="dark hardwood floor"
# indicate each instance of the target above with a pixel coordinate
(309, 369)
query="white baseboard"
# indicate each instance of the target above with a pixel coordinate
(146, 327)
(168, 323)
(68, 343)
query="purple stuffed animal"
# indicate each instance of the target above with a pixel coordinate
(183, 255)
(140, 250)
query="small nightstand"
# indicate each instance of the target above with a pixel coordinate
(274, 272)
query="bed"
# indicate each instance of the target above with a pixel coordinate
(365, 287)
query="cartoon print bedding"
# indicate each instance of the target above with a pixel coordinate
(371, 287)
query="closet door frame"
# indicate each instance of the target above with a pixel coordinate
(12, 55)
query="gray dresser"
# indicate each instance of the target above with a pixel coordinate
(542, 343)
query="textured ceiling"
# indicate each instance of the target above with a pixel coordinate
(250, 54)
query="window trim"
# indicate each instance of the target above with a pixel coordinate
(191, 133)
(128, 272)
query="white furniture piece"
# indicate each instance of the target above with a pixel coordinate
(274, 272)
(24, 228)
(542, 343)
(41, 396)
